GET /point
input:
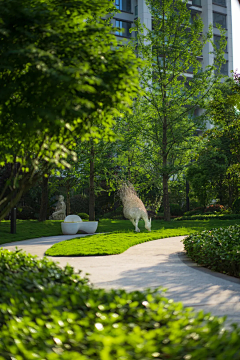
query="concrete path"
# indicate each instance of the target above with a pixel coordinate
(150, 265)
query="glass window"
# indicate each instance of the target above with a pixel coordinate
(224, 69)
(125, 26)
(219, 19)
(197, 2)
(136, 10)
(220, 2)
(124, 5)
(216, 40)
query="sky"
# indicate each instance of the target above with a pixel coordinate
(236, 34)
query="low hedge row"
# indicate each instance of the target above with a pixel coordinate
(51, 313)
(218, 249)
(207, 217)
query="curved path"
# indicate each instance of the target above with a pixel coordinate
(149, 265)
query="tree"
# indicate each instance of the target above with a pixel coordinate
(62, 75)
(172, 49)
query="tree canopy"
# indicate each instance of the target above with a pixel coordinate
(62, 76)
(176, 85)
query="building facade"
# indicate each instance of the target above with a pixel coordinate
(211, 11)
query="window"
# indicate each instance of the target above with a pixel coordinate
(136, 10)
(220, 2)
(216, 40)
(124, 5)
(197, 2)
(224, 69)
(193, 16)
(125, 26)
(220, 19)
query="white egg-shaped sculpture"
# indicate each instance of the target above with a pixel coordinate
(72, 219)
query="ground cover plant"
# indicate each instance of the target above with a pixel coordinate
(119, 241)
(209, 216)
(47, 312)
(217, 249)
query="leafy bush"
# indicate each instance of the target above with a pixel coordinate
(236, 206)
(78, 204)
(83, 216)
(51, 313)
(196, 211)
(175, 210)
(25, 213)
(218, 249)
(117, 214)
(208, 217)
(214, 208)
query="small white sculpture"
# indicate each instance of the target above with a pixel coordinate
(133, 208)
(60, 210)
(72, 219)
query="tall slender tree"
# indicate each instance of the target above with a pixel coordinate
(175, 83)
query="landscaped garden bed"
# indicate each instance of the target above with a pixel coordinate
(51, 313)
(217, 249)
(119, 241)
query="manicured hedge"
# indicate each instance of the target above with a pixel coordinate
(211, 216)
(218, 249)
(51, 313)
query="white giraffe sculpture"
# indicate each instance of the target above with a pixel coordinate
(133, 208)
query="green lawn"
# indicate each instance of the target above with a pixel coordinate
(121, 238)
(119, 241)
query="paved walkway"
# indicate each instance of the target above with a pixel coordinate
(149, 265)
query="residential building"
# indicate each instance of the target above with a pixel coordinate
(211, 11)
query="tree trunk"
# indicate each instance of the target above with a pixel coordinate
(91, 187)
(166, 206)
(187, 196)
(68, 198)
(229, 192)
(44, 199)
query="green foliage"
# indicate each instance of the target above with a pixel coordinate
(217, 249)
(176, 210)
(207, 217)
(171, 49)
(66, 76)
(196, 211)
(25, 213)
(214, 208)
(83, 216)
(79, 203)
(52, 313)
(236, 206)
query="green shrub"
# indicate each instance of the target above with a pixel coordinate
(236, 206)
(51, 313)
(196, 211)
(83, 216)
(208, 217)
(218, 249)
(175, 210)
(79, 204)
(25, 213)
(214, 208)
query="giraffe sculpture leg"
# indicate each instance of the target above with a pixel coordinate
(136, 225)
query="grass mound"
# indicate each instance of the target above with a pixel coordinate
(217, 249)
(51, 313)
(118, 242)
